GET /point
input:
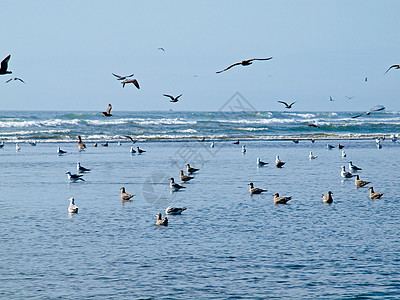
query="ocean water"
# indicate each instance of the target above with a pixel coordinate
(226, 245)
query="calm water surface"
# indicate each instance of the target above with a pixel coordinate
(226, 245)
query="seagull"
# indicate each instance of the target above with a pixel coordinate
(281, 200)
(125, 196)
(296, 141)
(107, 113)
(375, 108)
(330, 98)
(278, 162)
(327, 198)
(191, 170)
(2, 145)
(360, 183)
(17, 147)
(393, 66)
(312, 156)
(244, 149)
(341, 146)
(345, 174)
(129, 137)
(366, 79)
(34, 143)
(353, 167)
(105, 144)
(95, 144)
(254, 190)
(132, 150)
(140, 151)
(72, 208)
(184, 177)
(74, 177)
(393, 138)
(119, 143)
(4, 66)
(344, 153)
(349, 97)
(244, 63)
(161, 49)
(261, 163)
(373, 195)
(161, 222)
(173, 99)
(119, 77)
(174, 210)
(236, 143)
(134, 81)
(212, 145)
(81, 145)
(60, 152)
(81, 169)
(312, 141)
(15, 78)
(174, 186)
(288, 106)
(313, 125)
(329, 146)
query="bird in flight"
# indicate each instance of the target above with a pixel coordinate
(4, 66)
(394, 66)
(107, 113)
(129, 137)
(162, 49)
(330, 98)
(349, 97)
(287, 105)
(244, 63)
(119, 77)
(173, 99)
(375, 108)
(15, 78)
(134, 81)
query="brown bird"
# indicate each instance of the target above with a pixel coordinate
(125, 196)
(134, 81)
(327, 198)
(287, 105)
(184, 177)
(81, 145)
(373, 195)
(394, 66)
(360, 183)
(15, 78)
(107, 113)
(173, 99)
(281, 200)
(254, 190)
(161, 222)
(244, 63)
(4, 66)
(119, 77)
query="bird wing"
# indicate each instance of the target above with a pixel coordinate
(136, 83)
(129, 137)
(377, 108)
(394, 66)
(9, 80)
(16, 78)
(4, 63)
(358, 116)
(119, 77)
(235, 64)
(169, 96)
(259, 59)
(178, 97)
(283, 102)
(292, 103)
(109, 109)
(129, 75)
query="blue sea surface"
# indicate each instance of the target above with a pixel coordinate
(226, 245)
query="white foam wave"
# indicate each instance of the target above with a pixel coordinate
(49, 123)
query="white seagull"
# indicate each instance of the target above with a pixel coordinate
(174, 186)
(345, 174)
(312, 156)
(278, 162)
(74, 177)
(72, 208)
(60, 151)
(81, 169)
(132, 151)
(261, 163)
(344, 153)
(174, 210)
(353, 167)
(244, 149)
(17, 147)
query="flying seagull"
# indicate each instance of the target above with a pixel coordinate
(244, 63)
(288, 106)
(173, 99)
(4, 66)
(330, 98)
(349, 97)
(15, 78)
(375, 108)
(394, 66)
(107, 113)
(161, 49)
(134, 81)
(119, 77)
(129, 137)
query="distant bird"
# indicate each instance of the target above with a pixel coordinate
(134, 81)
(34, 143)
(81, 145)
(312, 141)
(236, 143)
(129, 137)
(366, 79)
(161, 49)
(212, 145)
(132, 150)
(349, 97)
(174, 210)
(105, 144)
(95, 144)
(17, 147)
(340, 146)
(392, 67)
(360, 183)
(296, 141)
(125, 196)
(174, 186)
(278, 162)
(140, 151)
(4, 66)
(74, 177)
(375, 108)
(1, 145)
(107, 113)
(345, 174)
(244, 149)
(327, 198)
(288, 106)
(281, 200)
(173, 99)
(393, 138)
(254, 191)
(312, 156)
(60, 152)
(353, 167)
(81, 169)
(344, 153)
(119, 77)
(191, 170)
(160, 221)
(119, 143)
(185, 178)
(261, 163)
(373, 195)
(15, 78)
(330, 98)
(329, 146)
(313, 125)
(244, 63)
(72, 208)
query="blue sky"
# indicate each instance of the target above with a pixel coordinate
(67, 50)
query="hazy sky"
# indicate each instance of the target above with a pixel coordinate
(67, 50)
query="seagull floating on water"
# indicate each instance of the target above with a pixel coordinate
(160, 221)
(312, 156)
(17, 147)
(353, 167)
(173, 99)
(4, 66)
(345, 174)
(107, 113)
(125, 196)
(260, 163)
(278, 162)
(212, 145)
(34, 143)
(254, 190)
(244, 149)
(174, 186)
(72, 208)
(373, 195)
(341, 146)
(1, 145)
(281, 200)
(344, 153)
(174, 210)
(244, 63)
(360, 183)
(74, 177)
(327, 198)
(329, 146)
(140, 151)
(132, 151)
(191, 170)
(185, 178)
(60, 152)
(81, 169)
